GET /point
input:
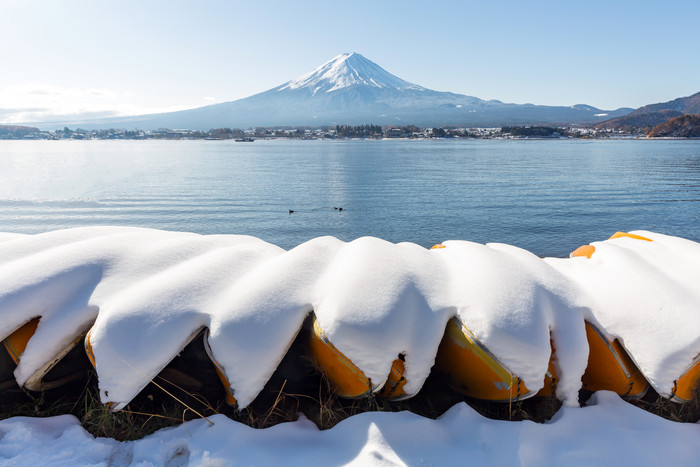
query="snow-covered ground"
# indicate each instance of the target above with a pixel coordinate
(144, 293)
(607, 432)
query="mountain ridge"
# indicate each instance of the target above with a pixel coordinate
(351, 89)
(685, 105)
(651, 115)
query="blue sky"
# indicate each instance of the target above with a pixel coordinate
(130, 57)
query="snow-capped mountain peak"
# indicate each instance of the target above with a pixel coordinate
(346, 70)
(352, 90)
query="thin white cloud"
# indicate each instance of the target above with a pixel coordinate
(42, 102)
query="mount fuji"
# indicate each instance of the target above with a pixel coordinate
(350, 89)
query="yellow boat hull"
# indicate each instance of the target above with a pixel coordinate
(687, 387)
(15, 345)
(473, 370)
(610, 367)
(347, 380)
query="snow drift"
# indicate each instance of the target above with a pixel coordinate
(607, 432)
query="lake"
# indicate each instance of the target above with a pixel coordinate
(548, 196)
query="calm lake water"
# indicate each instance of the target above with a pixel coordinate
(546, 196)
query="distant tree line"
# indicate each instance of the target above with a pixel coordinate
(533, 131)
(16, 131)
(358, 131)
(226, 133)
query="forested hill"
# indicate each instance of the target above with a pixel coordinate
(15, 131)
(685, 126)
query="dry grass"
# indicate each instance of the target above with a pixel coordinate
(189, 388)
(688, 412)
(157, 406)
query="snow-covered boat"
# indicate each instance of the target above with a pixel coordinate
(49, 376)
(584, 305)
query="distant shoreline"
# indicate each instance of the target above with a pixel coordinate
(275, 138)
(338, 132)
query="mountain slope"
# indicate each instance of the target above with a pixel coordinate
(684, 105)
(350, 89)
(655, 114)
(348, 70)
(685, 126)
(640, 120)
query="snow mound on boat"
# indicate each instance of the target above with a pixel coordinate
(647, 294)
(145, 293)
(515, 304)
